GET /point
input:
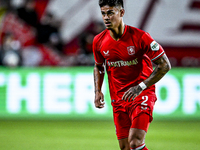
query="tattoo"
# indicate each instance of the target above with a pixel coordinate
(163, 66)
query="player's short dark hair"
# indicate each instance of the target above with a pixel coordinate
(111, 3)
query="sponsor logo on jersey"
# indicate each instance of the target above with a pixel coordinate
(122, 63)
(154, 46)
(106, 53)
(131, 50)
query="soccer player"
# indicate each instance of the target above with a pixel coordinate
(127, 54)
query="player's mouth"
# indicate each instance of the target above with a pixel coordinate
(108, 23)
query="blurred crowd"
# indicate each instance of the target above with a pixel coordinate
(29, 38)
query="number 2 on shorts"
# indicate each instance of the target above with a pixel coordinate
(144, 104)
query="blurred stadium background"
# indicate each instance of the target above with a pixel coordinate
(46, 80)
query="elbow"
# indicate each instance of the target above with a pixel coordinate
(167, 67)
(99, 68)
(164, 68)
(168, 64)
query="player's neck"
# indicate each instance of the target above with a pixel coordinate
(118, 32)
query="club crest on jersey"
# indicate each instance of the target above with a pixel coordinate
(154, 46)
(131, 50)
(106, 53)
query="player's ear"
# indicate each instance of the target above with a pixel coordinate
(122, 12)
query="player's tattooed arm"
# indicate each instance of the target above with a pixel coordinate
(98, 81)
(162, 67)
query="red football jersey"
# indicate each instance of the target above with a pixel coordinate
(128, 60)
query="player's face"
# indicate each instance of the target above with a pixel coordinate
(112, 16)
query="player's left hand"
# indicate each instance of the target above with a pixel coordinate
(132, 93)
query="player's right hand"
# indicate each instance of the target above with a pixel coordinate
(99, 100)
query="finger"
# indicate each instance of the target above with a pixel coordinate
(129, 97)
(124, 96)
(101, 105)
(102, 97)
(97, 103)
(102, 100)
(134, 96)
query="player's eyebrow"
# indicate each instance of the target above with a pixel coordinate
(108, 11)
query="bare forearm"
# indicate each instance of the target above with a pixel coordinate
(98, 77)
(163, 66)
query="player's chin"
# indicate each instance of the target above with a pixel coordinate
(109, 28)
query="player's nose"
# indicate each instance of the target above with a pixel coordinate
(106, 17)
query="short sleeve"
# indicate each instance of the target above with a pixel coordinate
(151, 48)
(99, 59)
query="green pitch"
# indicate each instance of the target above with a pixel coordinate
(93, 135)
